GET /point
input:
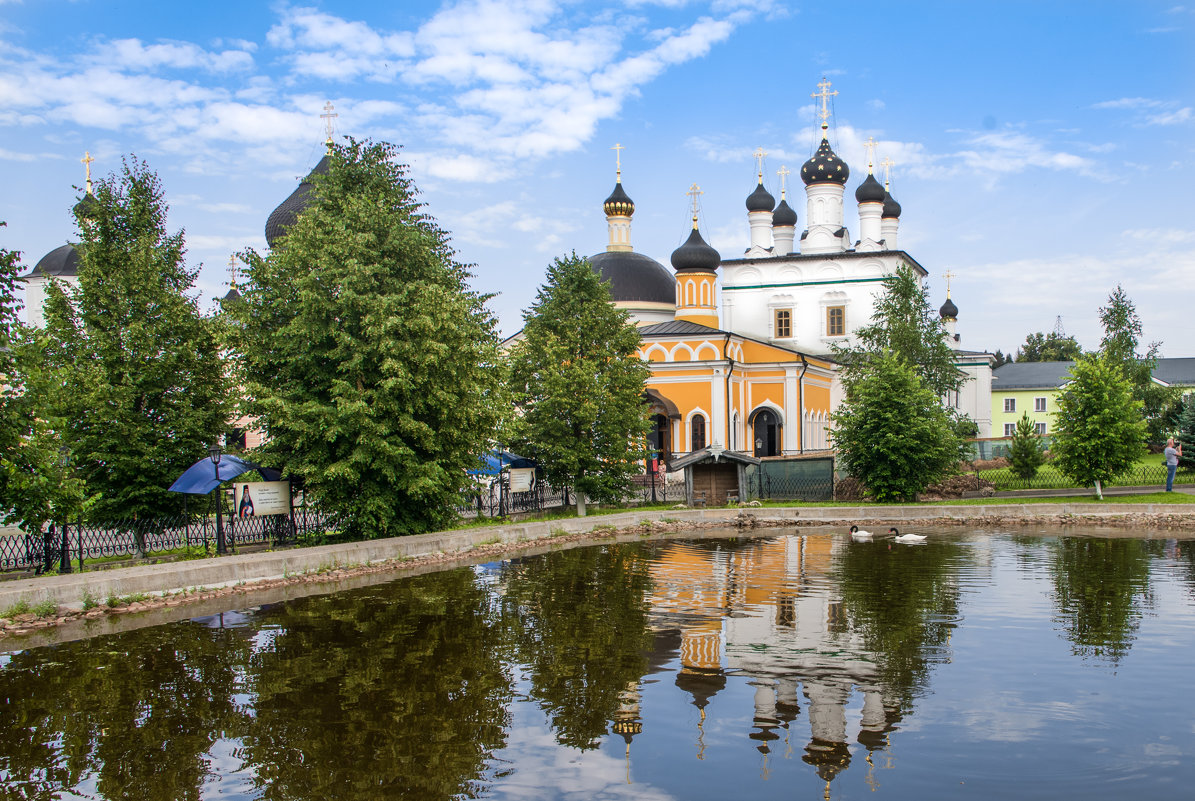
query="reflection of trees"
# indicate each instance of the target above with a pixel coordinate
(398, 692)
(141, 718)
(579, 622)
(1184, 555)
(903, 602)
(1100, 587)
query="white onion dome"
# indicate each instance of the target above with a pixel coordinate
(870, 191)
(760, 200)
(948, 311)
(695, 255)
(825, 167)
(619, 203)
(891, 207)
(784, 214)
(288, 211)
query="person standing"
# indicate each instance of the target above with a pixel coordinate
(1172, 455)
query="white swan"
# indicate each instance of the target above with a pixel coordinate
(906, 538)
(858, 535)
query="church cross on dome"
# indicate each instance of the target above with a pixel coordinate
(887, 164)
(948, 275)
(618, 148)
(825, 94)
(328, 115)
(232, 271)
(759, 155)
(870, 144)
(694, 192)
(783, 172)
(86, 162)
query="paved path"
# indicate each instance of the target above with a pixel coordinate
(71, 589)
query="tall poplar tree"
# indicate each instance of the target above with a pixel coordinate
(370, 364)
(578, 385)
(144, 387)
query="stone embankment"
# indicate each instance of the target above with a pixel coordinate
(101, 601)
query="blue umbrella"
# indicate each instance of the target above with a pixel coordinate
(200, 478)
(494, 462)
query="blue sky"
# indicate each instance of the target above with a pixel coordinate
(1043, 151)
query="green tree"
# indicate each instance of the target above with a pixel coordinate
(369, 362)
(1186, 431)
(10, 390)
(1001, 359)
(904, 325)
(892, 433)
(1122, 332)
(1098, 428)
(578, 384)
(1051, 347)
(1025, 450)
(140, 382)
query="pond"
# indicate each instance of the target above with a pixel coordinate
(982, 664)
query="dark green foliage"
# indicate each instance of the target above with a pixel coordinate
(10, 390)
(1098, 429)
(1025, 450)
(579, 385)
(132, 371)
(1051, 347)
(892, 433)
(367, 359)
(1001, 359)
(904, 325)
(1101, 587)
(1186, 432)
(1122, 331)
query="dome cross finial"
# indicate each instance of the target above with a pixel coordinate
(887, 164)
(618, 148)
(948, 275)
(783, 172)
(86, 162)
(870, 144)
(328, 115)
(760, 154)
(825, 94)
(693, 193)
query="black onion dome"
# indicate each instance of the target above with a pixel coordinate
(60, 262)
(87, 208)
(760, 199)
(891, 207)
(784, 214)
(870, 191)
(825, 167)
(288, 211)
(695, 255)
(619, 203)
(948, 310)
(635, 277)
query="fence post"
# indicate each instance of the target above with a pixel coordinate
(64, 560)
(79, 540)
(47, 546)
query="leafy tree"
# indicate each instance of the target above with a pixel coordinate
(1025, 450)
(10, 390)
(905, 325)
(1099, 432)
(1001, 359)
(1186, 431)
(140, 386)
(892, 433)
(366, 357)
(1051, 347)
(1122, 331)
(578, 384)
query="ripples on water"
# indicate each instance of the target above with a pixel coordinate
(978, 665)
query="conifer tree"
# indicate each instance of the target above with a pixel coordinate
(1099, 431)
(578, 385)
(370, 364)
(1025, 450)
(143, 385)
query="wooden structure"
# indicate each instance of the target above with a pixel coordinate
(713, 475)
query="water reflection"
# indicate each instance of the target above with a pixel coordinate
(686, 669)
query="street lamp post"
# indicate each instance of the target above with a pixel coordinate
(214, 453)
(64, 564)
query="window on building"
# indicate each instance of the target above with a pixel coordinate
(698, 432)
(784, 323)
(1010, 429)
(835, 321)
(1010, 404)
(1039, 404)
(1041, 429)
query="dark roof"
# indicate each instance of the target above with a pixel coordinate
(88, 207)
(696, 255)
(870, 191)
(891, 207)
(760, 199)
(619, 202)
(678, 328)
(784, 214)
(1031, 375)
(633, 276)
(60, 262)
(1176, 372)
(948, 310)
(710, 454)
(825, 167)
(288, 211)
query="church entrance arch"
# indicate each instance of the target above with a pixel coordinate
(658, 439)
(765, 432)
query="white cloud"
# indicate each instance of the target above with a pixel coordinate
(1166, 112)
(132, 54)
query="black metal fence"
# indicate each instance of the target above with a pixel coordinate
(496, 500)
(1050, 477)
(809, 479)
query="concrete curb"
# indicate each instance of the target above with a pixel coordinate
(70, 590)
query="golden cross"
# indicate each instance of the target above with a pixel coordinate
(887, 164)
(618, 148)
(759, 157)
(825, 95)
(694, 192)
(870, 144)
(948, 275)
(783, 172)
(327, 117)
(86, 162)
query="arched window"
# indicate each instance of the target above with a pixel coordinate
(698, 424)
